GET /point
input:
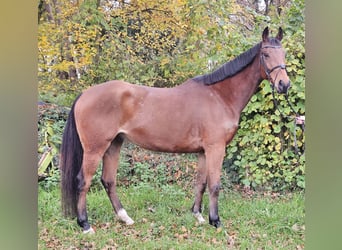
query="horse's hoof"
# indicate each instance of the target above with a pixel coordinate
(129, 222)
(89, 231)
(199, 217)
(215, 223)
(123, 216)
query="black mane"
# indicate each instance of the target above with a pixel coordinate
(230, 68)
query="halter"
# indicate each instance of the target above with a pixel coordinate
(266, 69)
(269, 78)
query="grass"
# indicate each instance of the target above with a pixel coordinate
(163, 221)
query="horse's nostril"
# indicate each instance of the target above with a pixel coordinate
(282, 86)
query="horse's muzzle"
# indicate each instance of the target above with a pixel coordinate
(283, 87)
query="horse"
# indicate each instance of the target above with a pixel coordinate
(199, 116)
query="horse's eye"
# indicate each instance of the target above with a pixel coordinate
(266, 55)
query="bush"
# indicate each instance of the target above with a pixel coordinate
(51, 121)
(268, 149)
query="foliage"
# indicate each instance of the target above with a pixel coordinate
(87, 43)
(162, 43)
(50, 128)
(263, 153)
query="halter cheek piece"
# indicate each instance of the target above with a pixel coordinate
(268, 74)
(266, 69)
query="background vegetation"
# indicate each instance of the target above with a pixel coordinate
(161, 44)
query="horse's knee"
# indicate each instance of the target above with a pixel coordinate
(215, 190)
(80, 180)
(202, 187)
(107, 184)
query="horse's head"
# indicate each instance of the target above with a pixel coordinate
(272, 58)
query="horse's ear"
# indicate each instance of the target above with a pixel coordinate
(265, 34)
(280, 34)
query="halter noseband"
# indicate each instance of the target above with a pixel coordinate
(266, 69)
(268, 74)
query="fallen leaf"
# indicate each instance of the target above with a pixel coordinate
(231, 241)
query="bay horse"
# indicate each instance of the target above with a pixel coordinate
(199, 116)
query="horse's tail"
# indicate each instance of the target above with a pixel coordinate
(70, 164)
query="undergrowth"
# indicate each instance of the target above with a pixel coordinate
(163, 221)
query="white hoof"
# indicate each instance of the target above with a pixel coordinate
(89, 231)
(199, 217)
(123, 216)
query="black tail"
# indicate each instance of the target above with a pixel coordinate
(70, 164)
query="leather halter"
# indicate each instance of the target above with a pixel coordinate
(266, 69)
(269, 78)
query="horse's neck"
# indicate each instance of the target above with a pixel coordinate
(236, 91)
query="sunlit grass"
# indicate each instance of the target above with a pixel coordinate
(163, 221)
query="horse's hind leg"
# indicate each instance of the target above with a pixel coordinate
(214, 159)
(84, 177)
(108, 179)
(200, 185)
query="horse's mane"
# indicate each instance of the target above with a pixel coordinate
(230, 68)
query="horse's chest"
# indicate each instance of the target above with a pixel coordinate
(227, 127)
(230, 126)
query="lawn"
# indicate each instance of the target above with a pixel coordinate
(163, 220)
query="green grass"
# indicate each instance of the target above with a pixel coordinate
(163, 221)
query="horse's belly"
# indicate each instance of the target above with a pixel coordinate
(165, 139)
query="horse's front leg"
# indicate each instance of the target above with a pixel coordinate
(214, 160)
(200, 185)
